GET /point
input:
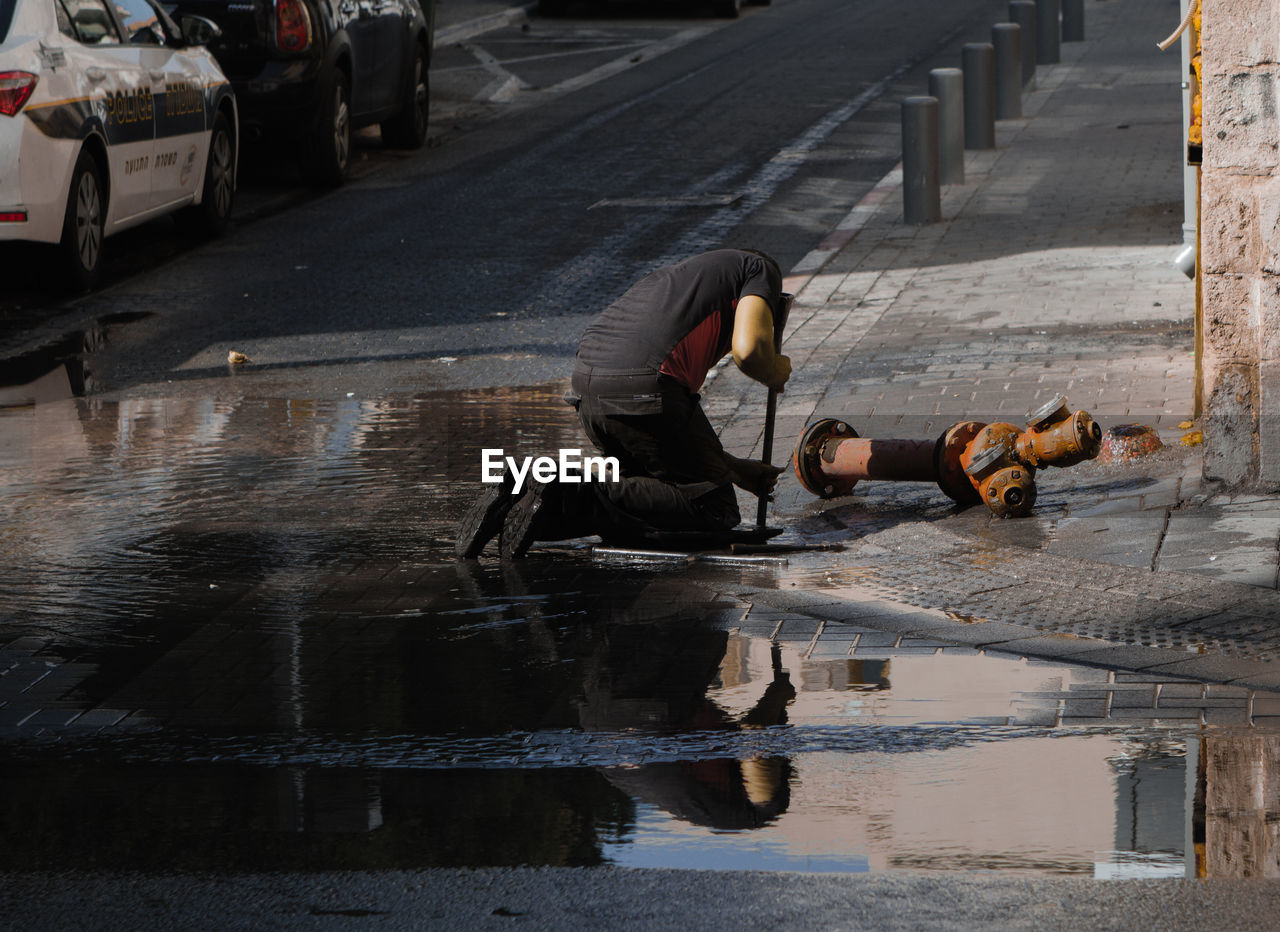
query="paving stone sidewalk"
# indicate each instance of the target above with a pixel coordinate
(1049, 273)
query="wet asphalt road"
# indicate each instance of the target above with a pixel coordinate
(536, 206)
(609, 899)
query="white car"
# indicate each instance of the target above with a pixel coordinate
(110, 115)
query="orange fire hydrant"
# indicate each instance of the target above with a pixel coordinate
(970, 462)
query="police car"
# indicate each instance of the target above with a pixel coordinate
(110, 115)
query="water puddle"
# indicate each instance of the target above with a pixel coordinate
(233, 637)
(59, 370)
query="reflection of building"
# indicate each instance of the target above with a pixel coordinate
(1153, 810)
(1242, 806)
(927, 794)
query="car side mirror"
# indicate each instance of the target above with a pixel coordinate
(198, 30)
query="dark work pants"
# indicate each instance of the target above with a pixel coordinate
(674, 476)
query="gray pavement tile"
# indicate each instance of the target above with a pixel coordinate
(1226, 717)
(1124, 656)
(1055, 646)
(984, 634)
(1089, 677)
(101, 718)
(930, 643)
(763, 630)
(1265, 705)
(1182, 691)
(1106, 508)
(1129, 679)
(1204, 703)
(1217, 667)
(1153, 715)
(52, 718)
(1251, 566)
(879, 639)
(26, 644)
(13, 716)
(1133, 699)
(887, 653)
(1219, 691)
(829, 651)
(1084, 708)
(1046, 718)
(908, 622)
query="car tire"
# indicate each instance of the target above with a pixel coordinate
(82, 225)
(328, 147)
(727, 9)
(212, 215)
(408, 128)
(552, 7)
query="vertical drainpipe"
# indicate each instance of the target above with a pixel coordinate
(1188, 171)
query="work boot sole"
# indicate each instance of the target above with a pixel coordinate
(484, 518)
(518, 531)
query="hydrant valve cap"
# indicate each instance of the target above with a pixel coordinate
(1047, 410)
(987, 457)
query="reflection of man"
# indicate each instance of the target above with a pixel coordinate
(635, 386)
(654, 678)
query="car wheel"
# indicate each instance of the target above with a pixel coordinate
(328, 150)
(213, 214)
(408, 128)
(82, 226)
(729, 9)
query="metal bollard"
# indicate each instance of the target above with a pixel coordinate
(921, 197)
(1006, 39)
(979, 59)
(947, 84)
(1048, 30)
(1072, 20)
(1023, 12)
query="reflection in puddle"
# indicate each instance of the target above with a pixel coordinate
(256, 599)
(59, 370)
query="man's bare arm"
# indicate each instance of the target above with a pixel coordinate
(752, 344)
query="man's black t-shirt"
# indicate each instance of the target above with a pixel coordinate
(636, 334)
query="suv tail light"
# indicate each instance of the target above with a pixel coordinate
(293, 26)
(15, 90)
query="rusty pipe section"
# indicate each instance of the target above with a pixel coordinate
(970, 462)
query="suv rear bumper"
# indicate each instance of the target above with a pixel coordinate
(283, 100)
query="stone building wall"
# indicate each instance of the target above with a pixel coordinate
(1240, 240)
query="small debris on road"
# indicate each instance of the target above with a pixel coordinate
(1127, 442)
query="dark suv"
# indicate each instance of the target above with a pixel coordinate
(311, 71)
